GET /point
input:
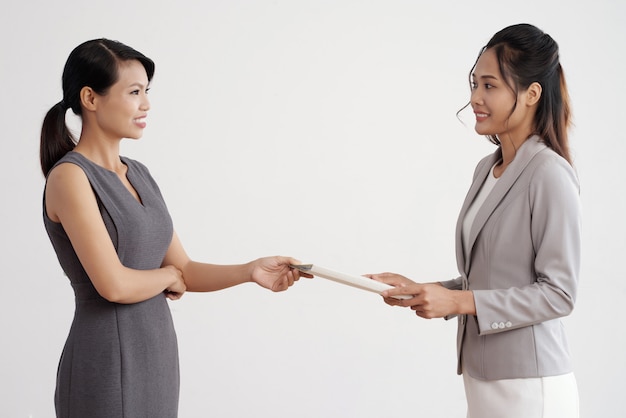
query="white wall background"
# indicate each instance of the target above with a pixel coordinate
(324, 130)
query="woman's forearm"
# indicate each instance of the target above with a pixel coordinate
(203, 277)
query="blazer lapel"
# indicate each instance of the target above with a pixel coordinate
(523, 156)
(479, 178)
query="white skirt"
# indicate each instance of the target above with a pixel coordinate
(541, 397)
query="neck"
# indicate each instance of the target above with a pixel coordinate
(508, 146)
(105, 153)
(509, 149)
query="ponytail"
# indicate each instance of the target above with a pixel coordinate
(556, 133)
(56, 138)
(526, 55)
(94, 64)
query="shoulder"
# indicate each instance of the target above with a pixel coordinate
(542, 164)
(66, 174)
(67, 184)
(552, 169)
(70, 168)
(553, 183)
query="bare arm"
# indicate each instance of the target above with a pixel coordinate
(71, 201)
(272, 273)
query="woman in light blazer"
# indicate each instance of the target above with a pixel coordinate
(517, 238)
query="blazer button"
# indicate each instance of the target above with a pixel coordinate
(508, 324)
(494, 325)
(501, 325)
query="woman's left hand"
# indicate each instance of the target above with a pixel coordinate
(275, 273)
(429, 300)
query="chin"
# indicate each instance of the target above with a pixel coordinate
(480, 131)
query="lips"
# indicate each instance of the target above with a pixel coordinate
(481, 116)
(140, 122)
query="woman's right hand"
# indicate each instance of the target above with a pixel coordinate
(176, 290)
(428, 300)
(398, 281)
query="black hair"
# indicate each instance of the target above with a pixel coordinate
(93, 64)
(527, 55)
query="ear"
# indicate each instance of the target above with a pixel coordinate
(533, 94)
(88, 98)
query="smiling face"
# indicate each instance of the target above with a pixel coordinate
(499, 111)
(122, 111)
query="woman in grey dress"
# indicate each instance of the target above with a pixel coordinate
(114, 239)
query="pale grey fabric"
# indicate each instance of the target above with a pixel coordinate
(119, 360)
(524, 263)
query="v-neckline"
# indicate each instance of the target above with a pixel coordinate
(138, 199)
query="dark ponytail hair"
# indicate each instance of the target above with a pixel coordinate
(92, 64)
(526, 55)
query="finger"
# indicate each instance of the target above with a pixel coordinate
(401, 290)
(423, 314)
(299, 273)
(280, 285)
(377, 276)
(172, 295)
(391, 301)
(409, 303)
(400, 302)
(288, 261)
(388, 278)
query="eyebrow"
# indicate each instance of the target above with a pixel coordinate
(138, 84)
(490, 77)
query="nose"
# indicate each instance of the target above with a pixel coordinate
(476, 97)
(145, 102)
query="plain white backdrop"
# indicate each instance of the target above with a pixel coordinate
(324, 130)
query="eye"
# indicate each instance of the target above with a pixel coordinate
(135, 92)
(488, 86)
(473, 85)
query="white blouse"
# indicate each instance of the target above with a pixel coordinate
(485, 189)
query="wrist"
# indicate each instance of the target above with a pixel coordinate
(248, 271)
(169, 278)
(465, 302)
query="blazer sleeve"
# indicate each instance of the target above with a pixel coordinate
(453, 284)
(553, 196)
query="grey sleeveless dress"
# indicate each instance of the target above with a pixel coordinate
(120, 360)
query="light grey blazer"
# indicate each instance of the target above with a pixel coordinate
(523, 267)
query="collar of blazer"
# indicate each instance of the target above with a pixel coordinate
(523, 157)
